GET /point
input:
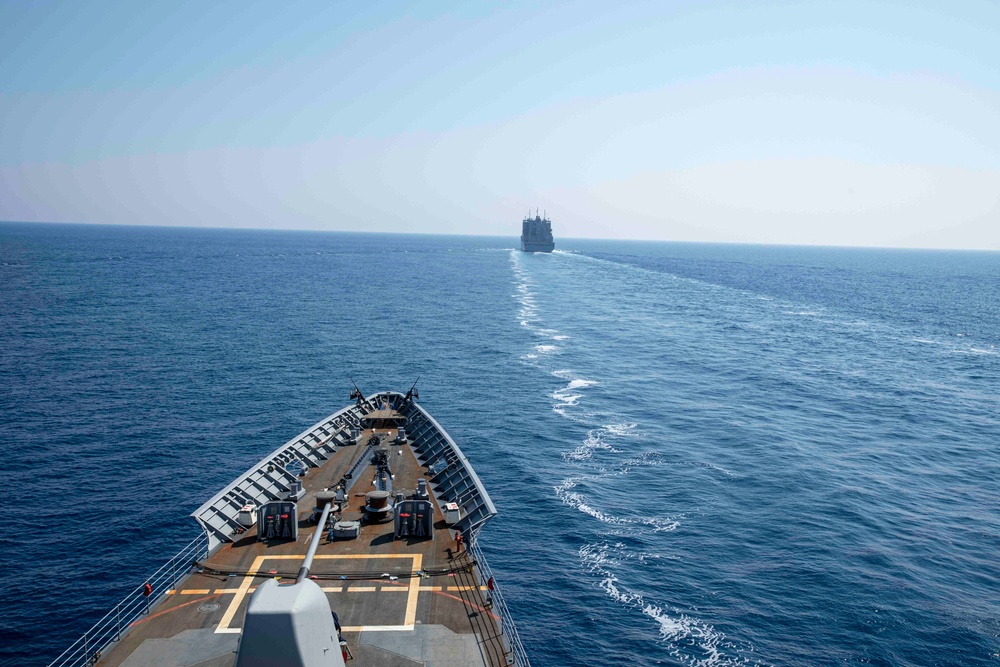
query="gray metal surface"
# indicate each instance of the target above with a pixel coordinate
(186, 649)
(536, 234)
(317, 536)
(269, 479)
(454, 480)
(428, 645)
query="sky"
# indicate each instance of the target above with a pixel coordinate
(832, 123)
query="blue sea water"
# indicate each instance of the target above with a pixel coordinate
(702, 454)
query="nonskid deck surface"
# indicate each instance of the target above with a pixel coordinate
(401, 602)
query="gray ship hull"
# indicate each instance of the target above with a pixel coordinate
(535, 246)
(536, 235)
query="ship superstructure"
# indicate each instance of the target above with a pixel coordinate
(536, 234)
(372, 514)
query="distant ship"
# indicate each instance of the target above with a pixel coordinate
(536, 234)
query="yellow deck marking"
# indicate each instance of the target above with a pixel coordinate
(413, 590)
(238, 598)
(394, 589)
(430, 588)
(466, 588)
(195, 591)
(411, 599)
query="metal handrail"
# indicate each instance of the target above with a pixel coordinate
(516, 655)
(87, 650)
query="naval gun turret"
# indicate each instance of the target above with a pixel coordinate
(292, 625)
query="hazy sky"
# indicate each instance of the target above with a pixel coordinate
(845, 123)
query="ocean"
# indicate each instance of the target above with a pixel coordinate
(701, 454)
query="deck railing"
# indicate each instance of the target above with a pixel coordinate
(87, 650)
(515, 650)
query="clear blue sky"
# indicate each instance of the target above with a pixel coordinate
(849, 123)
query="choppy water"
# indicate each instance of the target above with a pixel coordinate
(702, 455)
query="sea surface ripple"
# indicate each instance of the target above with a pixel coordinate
(702, 454)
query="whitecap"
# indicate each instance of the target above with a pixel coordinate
(690, 640)
(579, 383)
(565, 398)
(597, 438)
(977, 350)
(591, 444)
(576, 500)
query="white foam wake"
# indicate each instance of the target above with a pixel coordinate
(569, 395)
(597, 440)
(690, 640)
(576, 500)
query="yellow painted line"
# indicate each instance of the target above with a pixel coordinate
(430, 588)
(227, 618)
(413, 590)
(223, 591)
(332, 589)
(195, 591)
(394, 589)
(467, 588)
(361, 589)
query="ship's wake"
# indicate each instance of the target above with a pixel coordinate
(528, 314)
(608, 452)
(690, 641)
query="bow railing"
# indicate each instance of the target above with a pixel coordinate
(516, 655)
(87, 650)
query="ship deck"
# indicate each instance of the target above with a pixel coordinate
(391, 615)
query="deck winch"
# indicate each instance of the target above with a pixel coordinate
(378, 507)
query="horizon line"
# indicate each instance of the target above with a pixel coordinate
(494, 236)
